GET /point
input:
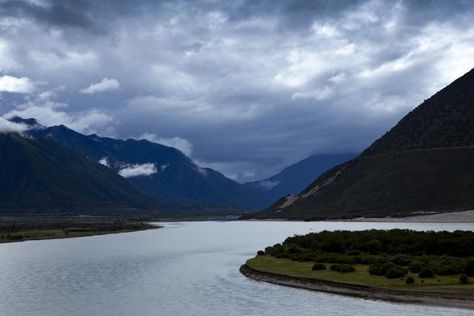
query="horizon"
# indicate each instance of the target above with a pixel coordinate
(245, 89)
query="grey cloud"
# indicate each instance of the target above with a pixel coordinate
(56, 13)
(252, 85)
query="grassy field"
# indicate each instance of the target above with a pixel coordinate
(360, 276)
(13, 229)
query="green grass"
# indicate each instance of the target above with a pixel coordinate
(360, 276)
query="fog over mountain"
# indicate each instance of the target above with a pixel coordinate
(244, 87)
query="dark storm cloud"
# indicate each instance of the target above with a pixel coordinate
(247, 86)
(54, 13)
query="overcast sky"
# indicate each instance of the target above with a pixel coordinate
(245, 87)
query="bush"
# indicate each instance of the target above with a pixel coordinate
(353, 252)
(333, 245)
(335, 258)
(318, 266)
(469, 268)
(410, 280)
(366, 259)
(401, 260)
(374, 246)
(374, 269)
(463, 279)
(386, 267)
(450, 268)
(416, 266)
(260, 253)
(343, 268)
(426, 273)
(396, 272)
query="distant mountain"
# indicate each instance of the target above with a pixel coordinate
(160, 172)
(295, 178)
(425, 163)
(40, 176)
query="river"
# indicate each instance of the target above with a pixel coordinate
(189, 268)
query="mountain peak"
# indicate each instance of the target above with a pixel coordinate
(444, 120)
(423, 164)
(28, 121)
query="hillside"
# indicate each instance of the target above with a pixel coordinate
(174, 180)
(296, 177)
(40, 176)
(424, 164)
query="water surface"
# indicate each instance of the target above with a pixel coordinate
(186, 268)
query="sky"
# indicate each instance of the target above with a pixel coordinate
(245, 87)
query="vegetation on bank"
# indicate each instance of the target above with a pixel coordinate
(394, 258)
(39, 227)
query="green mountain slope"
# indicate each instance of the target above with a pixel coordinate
(425, 163)
(39, 175)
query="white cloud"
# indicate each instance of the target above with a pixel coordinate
(11, 127)
(104, 162)
(105, 85)
(49, 113)
(319, 94)
(268, 184)
(16, 85)
(179, 143)
(146, 169)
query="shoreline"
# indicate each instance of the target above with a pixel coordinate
(79, 235)
(19, 229)
(446, 217)
(465, 301)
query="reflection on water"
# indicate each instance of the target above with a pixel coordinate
(182, 269)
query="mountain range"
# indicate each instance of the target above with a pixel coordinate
(423, 164)
(296, 177)
(56, 169)
(38, 176)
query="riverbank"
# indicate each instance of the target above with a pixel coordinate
(19, 228)
(427, 217)
(449, 217)
(458, 300)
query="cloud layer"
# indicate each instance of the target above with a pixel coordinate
(10, 127)
(16, 85)
(252, 85)
(105, 84)
(146, 169)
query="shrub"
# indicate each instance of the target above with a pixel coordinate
(335, 258)
(386, 267)
(318, 266)
(374, 269)
(353, 252)
(426, 273)
(333, 245)
(401, 260)
(463, 279)
(374, 246)
(343, 268)
(396, 272)
(416, 266)
(450, 268)
(260, 253)
(293, 249)
(410, 280)
(367, 259)
(469, 268)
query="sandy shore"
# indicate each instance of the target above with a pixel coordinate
(451, 217)
(367, 292)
